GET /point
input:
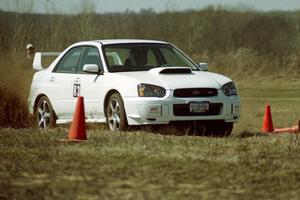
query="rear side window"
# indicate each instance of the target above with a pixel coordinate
(70, 61)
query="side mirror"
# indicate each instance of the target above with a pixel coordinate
(203, 66)
(91, 68)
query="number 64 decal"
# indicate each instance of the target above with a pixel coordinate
(76, 90)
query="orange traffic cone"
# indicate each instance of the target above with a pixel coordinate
(267, 123)
(77, 131)
(293, 129)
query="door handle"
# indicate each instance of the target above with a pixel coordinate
(77, 80)
(52, 79)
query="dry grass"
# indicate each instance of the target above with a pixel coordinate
(139, 165)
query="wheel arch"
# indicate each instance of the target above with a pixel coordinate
(37, 100)
(107, 96)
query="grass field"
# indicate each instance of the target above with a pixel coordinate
(35, 164)
(282, 94)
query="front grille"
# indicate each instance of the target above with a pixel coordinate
(184, 110)
(195, 92)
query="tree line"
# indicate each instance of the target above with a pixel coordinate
(207, 33)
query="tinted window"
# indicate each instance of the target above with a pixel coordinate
(143, 57)
(90, 56)
(69, 62)
(173, 57)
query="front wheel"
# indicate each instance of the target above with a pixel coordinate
(115, 111)
(44, 114)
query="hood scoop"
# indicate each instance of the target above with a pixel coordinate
(171, 70)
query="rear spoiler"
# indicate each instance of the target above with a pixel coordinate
(37, 61)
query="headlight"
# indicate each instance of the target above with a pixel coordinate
(147, 90)
(229, 89)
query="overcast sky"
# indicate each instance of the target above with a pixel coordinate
(104, 6)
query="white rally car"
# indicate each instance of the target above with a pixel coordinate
(132, 82)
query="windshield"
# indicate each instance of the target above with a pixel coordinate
(143, 57)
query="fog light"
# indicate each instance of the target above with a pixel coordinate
(236, 109)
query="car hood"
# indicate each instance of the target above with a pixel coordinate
(172, 81)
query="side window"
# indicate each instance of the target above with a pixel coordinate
(69, 63)
(90, 56)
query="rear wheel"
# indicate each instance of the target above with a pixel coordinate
(115, 111)
(44, 114)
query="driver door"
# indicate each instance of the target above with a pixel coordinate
(91, 84)
(59, 85)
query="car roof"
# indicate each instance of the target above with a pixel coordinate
(125, 41)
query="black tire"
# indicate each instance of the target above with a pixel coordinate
(219, 129)
(44, 115)
(115, 113)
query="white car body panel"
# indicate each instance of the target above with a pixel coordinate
(91, 91)
(58, 87)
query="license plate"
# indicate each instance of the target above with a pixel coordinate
(199, 107)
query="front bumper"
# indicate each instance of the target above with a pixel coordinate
(150, 110)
